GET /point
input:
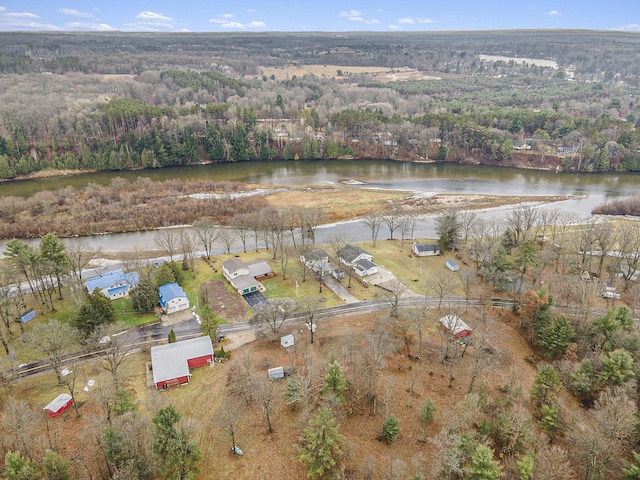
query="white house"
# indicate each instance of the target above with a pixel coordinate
(316, 260)
(365, 267)
(356, 258)
(245, 277)
(115, 284)
(172, 298)
(425, 249)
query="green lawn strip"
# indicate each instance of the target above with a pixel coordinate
(125, 313)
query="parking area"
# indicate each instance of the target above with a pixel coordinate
(254, 298)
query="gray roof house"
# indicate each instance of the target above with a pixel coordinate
(244, 277)
(356, 258)
(425, 249)
(317, 260)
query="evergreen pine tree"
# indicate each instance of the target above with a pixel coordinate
(320, 445)
(483, 466)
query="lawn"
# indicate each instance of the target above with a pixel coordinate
(412, 271)
(293, 286)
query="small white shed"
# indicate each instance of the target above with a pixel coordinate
(275, 373)
(452, 265)
(287, 341)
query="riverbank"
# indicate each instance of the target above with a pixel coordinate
(143, 205)
(524, 161)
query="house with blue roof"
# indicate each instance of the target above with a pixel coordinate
(113, 285)
(172, 298)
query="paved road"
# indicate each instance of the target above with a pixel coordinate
(156, 333)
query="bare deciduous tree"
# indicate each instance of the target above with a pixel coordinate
(468, 220)
(80, 255)
(600, 436)
(272, 314)
(310, 220)
(54, 340)
(266, 396)
(228, 419)
(168, 239)
(189, 247)
(393, 292)
(207, 233)
(226, 236)
(441, 286)
(605, 238)
(113, 341)
(393, 222)
(521, 219)
(628, 246)
(308, 307)
(373, 220)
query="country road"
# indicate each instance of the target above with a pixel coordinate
(155, 334)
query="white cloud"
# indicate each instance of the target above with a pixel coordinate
(96, 27)
(236, 25)
(153, 17)
(226, 23)
(22, 21)
(395, 27)
(356, 16)
(151, 22)
(74, 13)
(350, 13)
(553, 13)
(632, 27)
(411, 20)
(251, 10)
(20, 15)
(227, 15)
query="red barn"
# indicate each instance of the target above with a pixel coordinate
(454, 325)
(58, 405)
(171, 363)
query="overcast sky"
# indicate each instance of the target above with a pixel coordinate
(323, 15)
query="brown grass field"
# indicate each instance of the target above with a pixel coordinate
(331, 71)
(344, 202)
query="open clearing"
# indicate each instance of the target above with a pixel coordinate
(331, 71)
(342, 203)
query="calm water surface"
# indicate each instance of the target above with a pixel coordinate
(420, 178)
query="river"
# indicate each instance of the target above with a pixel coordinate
(593, 189)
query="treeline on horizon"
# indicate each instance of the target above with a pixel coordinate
(479, 111)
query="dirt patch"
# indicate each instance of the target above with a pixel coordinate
(225, 303)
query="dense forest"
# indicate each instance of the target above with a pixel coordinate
(113, 101)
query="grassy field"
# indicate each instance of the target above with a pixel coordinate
(412, 271)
